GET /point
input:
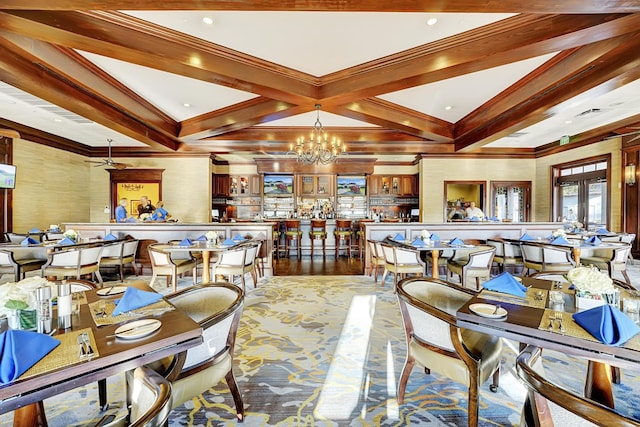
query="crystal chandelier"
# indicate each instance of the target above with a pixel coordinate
(318, 149)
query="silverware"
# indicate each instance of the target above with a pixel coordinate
(552, 317)
(109, 291)
(87, 343)
(82, 352)
(134, 328)
(497, 309)
(560, 325)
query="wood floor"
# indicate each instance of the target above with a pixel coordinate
(306, 266)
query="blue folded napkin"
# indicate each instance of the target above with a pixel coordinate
(202, 238)
(135, 298)
(594, 240)
(417, 242)
(238, 237)
(525, 236)
(507, 284)
(228, 242)
(474, 219)
(493, 218)
(66, 241)
(434, 236)
(398, 238)
(29, 241)
(20, 350)
(110, 237)
(608, 324)
(455, 242)
(559, 241)
(34, 230)
(186, 242)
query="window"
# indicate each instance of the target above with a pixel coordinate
(581, 192)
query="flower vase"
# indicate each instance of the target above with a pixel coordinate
(27, 319)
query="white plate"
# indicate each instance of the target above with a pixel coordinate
(488, 310)
(111, 290)
(138, 329)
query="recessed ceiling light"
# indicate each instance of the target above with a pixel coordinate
(432, 21)
(207, 20)
(186, 104)
(448, 107)
(57, 120)
(568, 122)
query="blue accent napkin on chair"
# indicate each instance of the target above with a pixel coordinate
(34, 230)
(20, 350)
(135, 298)
(228, 242)
(507, 284)
(186, 242)
(202, 238)
(434, 236)
(398, 238)
(29, 241)
(593, 240)
(559, 241)
(66, 241)
(608, 324)
(109, 237)
(456, 242)
(417, 242)
(525, 236)
(238, 237)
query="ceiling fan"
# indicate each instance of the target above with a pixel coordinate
(108, 161)
(635, 132)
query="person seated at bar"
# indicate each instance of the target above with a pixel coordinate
(474, 212)
(121, 210)
(160, 214)
(457, 213)
(145, 206)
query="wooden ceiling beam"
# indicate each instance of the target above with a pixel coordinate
(593, 70)
(46, 84)
(452, 6)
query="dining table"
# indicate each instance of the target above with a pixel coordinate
(114, 349)
(528, 320)
(203, 247)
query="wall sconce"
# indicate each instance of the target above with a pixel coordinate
(630, 174)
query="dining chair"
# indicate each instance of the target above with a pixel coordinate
(376, 259)
(163, 264)
(217, 308)
(11, 263)
(142, 254)
(119, 254)
(428, 307)
(612, 259)
(628, 238)
(15, 237)
(476, 264)
(545, 257)
(231, 263)
(318, 232)
(400, 262)
(361, 236)
(550, 403)
(250, 256)
(508, 254)
(57, 235)
(74, 262)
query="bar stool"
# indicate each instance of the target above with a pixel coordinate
(360, 237)
(343, 236)
(318, 232)
(292, 233)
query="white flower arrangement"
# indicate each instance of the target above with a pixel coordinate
(212, 236)
(577, 225)
(20, 295)
(425, 234)
(559, 233)
(71, 234)
(590, 282)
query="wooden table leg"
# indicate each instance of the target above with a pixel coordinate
(435, 268)
(598, 383)
(206, 255)
(30, 416)
(576, 255)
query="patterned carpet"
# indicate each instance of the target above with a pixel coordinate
(328, 351)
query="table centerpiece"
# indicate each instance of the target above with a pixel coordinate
(593, 287)
(18, 302)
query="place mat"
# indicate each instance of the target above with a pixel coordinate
(66, 354)
(110, 305)
(529, 301)
(574, 330)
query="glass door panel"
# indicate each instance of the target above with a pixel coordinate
(569, 201)
(596, 205)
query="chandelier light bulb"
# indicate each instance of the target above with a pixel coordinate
(318, 149)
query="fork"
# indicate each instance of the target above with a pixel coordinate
(552, 317)
(558, 317)
(82, 351)
(86, 345)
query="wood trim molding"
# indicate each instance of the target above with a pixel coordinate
(342, 166)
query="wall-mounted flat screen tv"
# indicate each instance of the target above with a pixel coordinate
(7, 176)
(278, 184)
(352, 186)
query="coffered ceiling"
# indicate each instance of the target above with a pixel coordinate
(507, 78)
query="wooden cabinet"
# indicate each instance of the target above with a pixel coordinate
(407, 185)
(245, 185)
(375, 185)
(255, 185)
(394, 185)
(220, 185)
(316, 185)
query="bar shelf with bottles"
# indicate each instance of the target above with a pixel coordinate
(281, 206)
(353, 207)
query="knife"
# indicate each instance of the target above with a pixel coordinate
(135, 328)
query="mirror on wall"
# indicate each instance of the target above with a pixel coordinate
(458, 194)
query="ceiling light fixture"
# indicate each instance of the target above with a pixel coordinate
(448, 107)
(207, 20)
(317, 149)
(432, 21)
